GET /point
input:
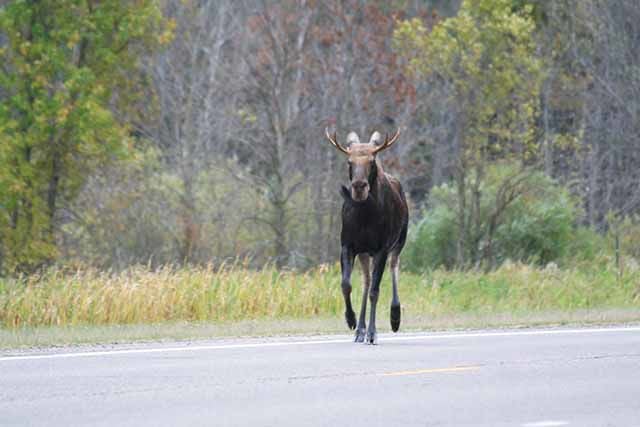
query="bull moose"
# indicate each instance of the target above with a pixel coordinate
(375, 218)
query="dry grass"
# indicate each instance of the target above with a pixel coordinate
(232, 293)
(139, 295)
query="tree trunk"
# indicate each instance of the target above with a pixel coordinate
(475, 219)
(462, 222)
(1, 256)
(547, 147)
(592, 188)
(280, 230)
(189, 225)
(460, 179)
(27, 202)
(488, 252)
(52, 192)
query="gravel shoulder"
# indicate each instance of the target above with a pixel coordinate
(33, 339)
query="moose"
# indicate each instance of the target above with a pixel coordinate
(375, 217)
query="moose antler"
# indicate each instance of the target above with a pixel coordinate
(388, 142)
(334, 142)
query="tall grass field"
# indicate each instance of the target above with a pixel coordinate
(234, 293)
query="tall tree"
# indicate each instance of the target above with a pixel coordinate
(590, 101)
(484, 67)
(65, 67)
(604, 43)
(190, 124)
(305, 66)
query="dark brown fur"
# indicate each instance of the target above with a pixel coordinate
(373, 228)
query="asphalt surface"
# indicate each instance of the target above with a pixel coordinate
(533, 378)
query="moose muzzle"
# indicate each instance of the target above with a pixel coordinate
(359, 190)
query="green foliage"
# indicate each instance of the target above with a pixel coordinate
(516, 287)
(65, 65)
(432, 239)
(627, 231)
(483, 64)
(486, 55)
(133, 212)
(537, 226)
(587, 246)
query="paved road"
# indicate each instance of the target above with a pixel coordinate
(533, 378)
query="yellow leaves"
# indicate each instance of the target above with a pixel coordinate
(246, 116)
(412, 29)
(166, 36)
(16, 187)
(487, 55)
(62, 114)
(41, 120)
(8, 125)
(40, 80)
(24, 48)
(73, 40)
(566, 141)
(24, 68)
(410, 38)
(98, 90)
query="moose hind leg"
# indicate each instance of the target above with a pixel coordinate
(395, 300)
(365, 266)
(378, 269)
(346, 263)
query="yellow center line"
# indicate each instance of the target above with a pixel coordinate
(431, 371)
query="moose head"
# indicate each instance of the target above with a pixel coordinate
(363, 167)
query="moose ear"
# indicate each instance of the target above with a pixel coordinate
(375, 138)
(353, 138)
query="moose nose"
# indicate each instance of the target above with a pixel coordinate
(359, 185)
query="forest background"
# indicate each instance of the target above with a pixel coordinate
(191, 132)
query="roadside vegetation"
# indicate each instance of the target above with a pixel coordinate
(232, 293)
(114, 156)
(144, 144)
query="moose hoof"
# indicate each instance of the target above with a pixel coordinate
(372, 338)
(350, 316)
(360, 333)
(395, 318)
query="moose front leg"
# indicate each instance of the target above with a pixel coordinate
(365, 266)
(346, 264)
(379, 262)
(395, 299)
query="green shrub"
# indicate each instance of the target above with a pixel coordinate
(629, 234)
(537, 226)
(432, 240)
(586, 245)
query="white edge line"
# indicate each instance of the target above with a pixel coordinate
(546, 424)
(317, 342)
